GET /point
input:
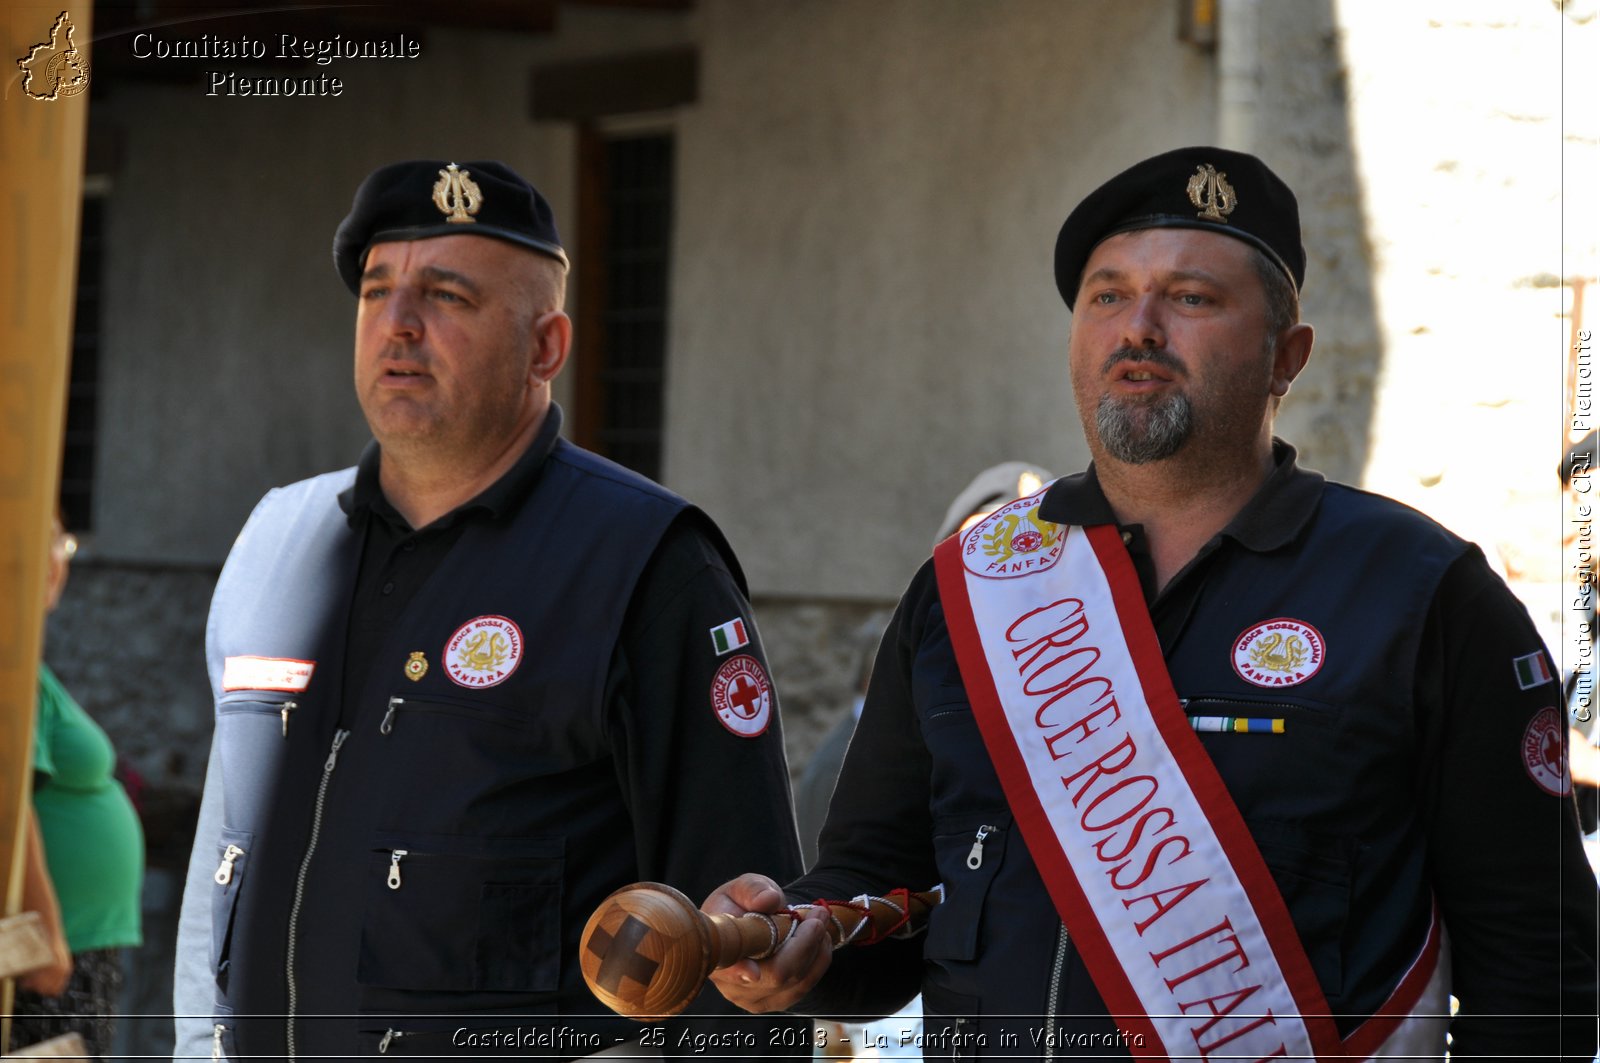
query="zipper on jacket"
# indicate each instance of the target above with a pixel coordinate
(1188, 703)
(300, 882)
(1052, 1002)
(975, 854)
(284, 710)
(217, 1031)
(394, 867)
(224, 873)
(389, 1037)
(448, 706)
(388, 718)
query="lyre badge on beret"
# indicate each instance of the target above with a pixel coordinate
(1210, 191)
(456, 194)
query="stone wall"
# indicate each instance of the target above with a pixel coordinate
(816, 649)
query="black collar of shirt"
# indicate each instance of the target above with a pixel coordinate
(365, 496)
(1274, 516)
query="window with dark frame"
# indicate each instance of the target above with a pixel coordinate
(623, 255)
(624, 260)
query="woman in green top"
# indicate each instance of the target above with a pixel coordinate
(92, 863)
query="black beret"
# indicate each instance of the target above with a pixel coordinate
(422, 198)
(1214, 189)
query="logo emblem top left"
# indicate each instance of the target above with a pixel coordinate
(55, 68)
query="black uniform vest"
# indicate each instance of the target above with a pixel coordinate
(442, 852)
(1331, 801)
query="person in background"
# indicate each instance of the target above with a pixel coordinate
(84, 861)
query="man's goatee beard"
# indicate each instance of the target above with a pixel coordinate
(1137, 433)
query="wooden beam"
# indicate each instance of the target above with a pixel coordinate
(587, 89)
(180, 19)
(42, 123)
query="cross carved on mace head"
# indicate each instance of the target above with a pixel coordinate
(620, 957)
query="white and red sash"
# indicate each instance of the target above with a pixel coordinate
(1142, 849)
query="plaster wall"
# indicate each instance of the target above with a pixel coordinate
(1475, 132)
(864, 313)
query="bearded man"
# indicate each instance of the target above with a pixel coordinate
(1214, 758)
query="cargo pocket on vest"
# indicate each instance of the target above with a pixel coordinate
(233, 853)
(1313, 873)
(508, 959)
(453, 913)
(968, 850)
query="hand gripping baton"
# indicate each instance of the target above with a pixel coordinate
(647, 949)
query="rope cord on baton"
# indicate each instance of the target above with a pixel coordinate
(898, 901)
(902, 911)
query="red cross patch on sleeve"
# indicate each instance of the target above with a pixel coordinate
(741, 696)
(1544, 752)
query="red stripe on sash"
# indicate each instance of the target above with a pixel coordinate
(1210, 790)
(1060, 880)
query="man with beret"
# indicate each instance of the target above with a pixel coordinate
(1215, 759)
(467, 688)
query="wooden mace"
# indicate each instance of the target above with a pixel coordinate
(647, 949)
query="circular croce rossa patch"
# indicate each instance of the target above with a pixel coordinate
(1544, 752)
(1280, 652)
(741, 696)
(483, 652)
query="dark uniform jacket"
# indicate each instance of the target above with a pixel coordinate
(412, 843)
(1402, 777)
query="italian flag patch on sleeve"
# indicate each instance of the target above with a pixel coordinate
(725, 638)
(1532, 670)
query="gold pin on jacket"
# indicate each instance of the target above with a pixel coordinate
(416, 666)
